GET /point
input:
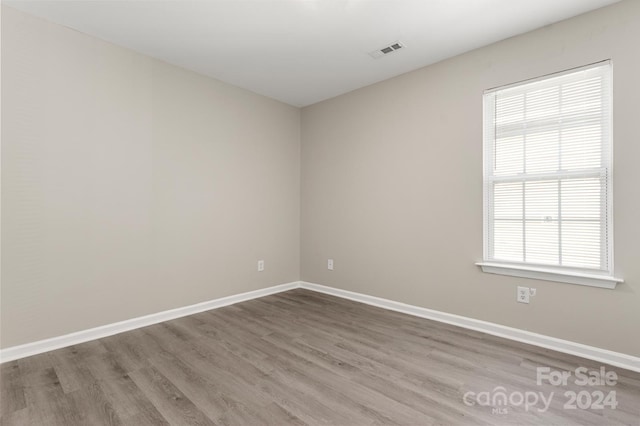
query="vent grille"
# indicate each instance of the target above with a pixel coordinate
(393, 47)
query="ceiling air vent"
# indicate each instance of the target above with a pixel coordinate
(386, 50)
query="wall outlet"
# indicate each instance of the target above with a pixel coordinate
(260, 265)
(522, 295)
(330, 264)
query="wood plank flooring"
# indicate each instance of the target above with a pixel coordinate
(298, 358)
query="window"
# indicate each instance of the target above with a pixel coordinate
(547, 178)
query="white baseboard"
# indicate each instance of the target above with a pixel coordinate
(590, 352)
(34, 348)
(617, 359)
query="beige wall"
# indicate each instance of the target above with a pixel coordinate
(392, 185)
(130, 186)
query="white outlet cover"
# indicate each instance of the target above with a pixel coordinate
(522, 294)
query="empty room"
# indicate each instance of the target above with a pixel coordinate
(320, 212)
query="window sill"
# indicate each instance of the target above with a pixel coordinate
(547, 274)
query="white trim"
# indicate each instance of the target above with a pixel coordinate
(548, 274)
(590, 352)
(46, 345)
(548, 76)
(617, 359)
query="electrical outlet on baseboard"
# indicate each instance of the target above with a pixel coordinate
(260, 265)
(330, 264)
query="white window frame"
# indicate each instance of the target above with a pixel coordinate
(597, 278)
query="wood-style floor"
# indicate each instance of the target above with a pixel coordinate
(298, 357)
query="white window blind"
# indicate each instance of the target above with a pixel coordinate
(547, 171)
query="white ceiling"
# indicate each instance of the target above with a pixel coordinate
(303, 51)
